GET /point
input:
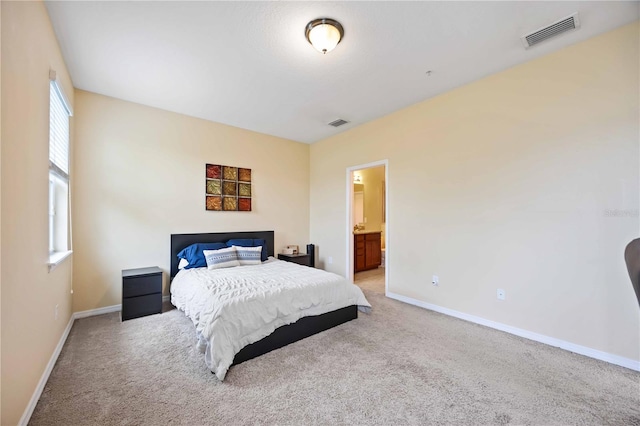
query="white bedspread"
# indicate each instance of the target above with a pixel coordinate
(234, 307)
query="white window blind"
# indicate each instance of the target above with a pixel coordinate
(59, 218)
(58, 132)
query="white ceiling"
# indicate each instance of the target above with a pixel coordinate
(248, 64)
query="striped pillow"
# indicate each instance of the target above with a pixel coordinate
(249, 255)
(221, 258)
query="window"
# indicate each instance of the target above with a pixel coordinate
(59, 113)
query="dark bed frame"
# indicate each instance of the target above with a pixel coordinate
(282, 336)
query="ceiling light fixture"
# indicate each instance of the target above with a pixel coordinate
(324, 34)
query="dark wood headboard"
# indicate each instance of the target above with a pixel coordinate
(180, 241)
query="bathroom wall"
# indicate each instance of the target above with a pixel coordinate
(372, 179)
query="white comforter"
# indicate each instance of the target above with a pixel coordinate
(234, 307)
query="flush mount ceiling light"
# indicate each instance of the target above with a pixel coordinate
(324, 34)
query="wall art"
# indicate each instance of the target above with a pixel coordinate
(228, 188)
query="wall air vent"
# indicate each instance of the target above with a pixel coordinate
(337, 123)
(563, 25)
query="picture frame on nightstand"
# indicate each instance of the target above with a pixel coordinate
(291, 249)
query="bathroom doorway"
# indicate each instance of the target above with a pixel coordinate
(367, 236)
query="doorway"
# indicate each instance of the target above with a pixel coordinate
(367, 222)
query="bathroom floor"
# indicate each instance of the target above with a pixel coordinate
(372, 280)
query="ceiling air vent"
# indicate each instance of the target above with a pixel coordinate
(337, 123)
(563, 25)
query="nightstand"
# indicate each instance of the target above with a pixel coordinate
(141, 292)
(300, 259)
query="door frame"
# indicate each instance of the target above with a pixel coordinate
(350, 224)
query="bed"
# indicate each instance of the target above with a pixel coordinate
(243, 312)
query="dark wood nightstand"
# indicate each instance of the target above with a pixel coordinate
(141, 292)
(300, 259)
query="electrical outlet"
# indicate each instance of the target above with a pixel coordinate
(56, 313)
(501, 294)
(330, 260)
(435, 280)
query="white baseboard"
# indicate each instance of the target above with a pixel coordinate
(99, 311)
(26, 416)
(552, 341)
(107, 310)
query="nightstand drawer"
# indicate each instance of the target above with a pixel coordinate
(134, 307)
(141, 285)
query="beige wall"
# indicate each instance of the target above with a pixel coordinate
(509, 182)
(140, 177)
(0, 218)
(29, 292)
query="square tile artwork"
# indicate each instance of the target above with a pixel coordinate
(227, 188)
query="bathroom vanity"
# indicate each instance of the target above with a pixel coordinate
(367, 250)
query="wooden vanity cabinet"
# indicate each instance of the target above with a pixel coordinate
(367, 251)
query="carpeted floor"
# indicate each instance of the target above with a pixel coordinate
(372, 280)
(399, 365)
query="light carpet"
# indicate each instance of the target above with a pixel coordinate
(399, 365)
(372, 280)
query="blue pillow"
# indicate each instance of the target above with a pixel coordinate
(249, 242)
(193, 254)
(260, 242)
(241, 242)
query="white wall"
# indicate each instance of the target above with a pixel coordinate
(29, 292)
(509, 182)
(140, 176)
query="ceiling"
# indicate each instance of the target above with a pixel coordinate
(248, 64)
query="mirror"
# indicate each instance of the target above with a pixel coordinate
(384, 202)
(358, 203)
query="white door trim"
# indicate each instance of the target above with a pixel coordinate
(349, 183)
